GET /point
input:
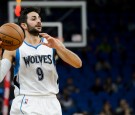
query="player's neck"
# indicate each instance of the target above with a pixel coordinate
(31, 39)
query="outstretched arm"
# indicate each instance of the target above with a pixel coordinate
(64, 53)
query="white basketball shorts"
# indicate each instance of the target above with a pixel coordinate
(35, 105)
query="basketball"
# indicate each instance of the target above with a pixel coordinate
(11, 35)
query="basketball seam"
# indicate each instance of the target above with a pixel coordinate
(11, 37)
(16, 30)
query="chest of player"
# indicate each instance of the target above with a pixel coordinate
(39, 55)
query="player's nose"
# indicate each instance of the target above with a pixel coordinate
(39, 20)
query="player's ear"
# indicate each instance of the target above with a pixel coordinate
(24, 26)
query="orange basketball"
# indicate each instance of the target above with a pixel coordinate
(11, 35)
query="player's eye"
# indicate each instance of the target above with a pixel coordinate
(33, 19)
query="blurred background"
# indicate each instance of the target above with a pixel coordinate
(104, 40)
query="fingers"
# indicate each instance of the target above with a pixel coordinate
(0, 43)
(0, 49)
(44, 43)
(45, 35)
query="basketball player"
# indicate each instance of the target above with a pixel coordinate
(35, 76)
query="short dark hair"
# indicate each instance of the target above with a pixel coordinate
(24, 12)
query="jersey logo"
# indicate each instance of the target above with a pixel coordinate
(37, 59)
(25, 101)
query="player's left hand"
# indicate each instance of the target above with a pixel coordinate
(52, 42)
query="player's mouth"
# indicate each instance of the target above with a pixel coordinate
(38, 27)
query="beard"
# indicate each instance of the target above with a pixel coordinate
(33, 31)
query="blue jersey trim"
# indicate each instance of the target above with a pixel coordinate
(17, 62)
(21, 104)
(35, 47)
(54, 52)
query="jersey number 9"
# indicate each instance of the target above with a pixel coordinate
(40, 73)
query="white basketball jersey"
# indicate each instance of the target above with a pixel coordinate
(34, 71)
